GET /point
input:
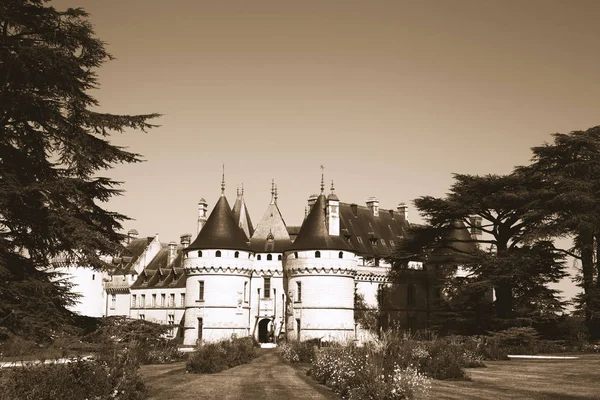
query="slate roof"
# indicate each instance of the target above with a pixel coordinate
(372, 236)
(360, 231)
(124, 263)
(314, 234)
(242, 217)
(220, 231)
(293, 231)
(271, 234)
(161, 278)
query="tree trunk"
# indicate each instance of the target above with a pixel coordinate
(586, 241)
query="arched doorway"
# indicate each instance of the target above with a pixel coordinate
(263, 330)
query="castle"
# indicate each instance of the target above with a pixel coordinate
(267, 281)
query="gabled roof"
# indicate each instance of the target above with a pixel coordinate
(162, 278)
(314, 234)
(271, 234)
(220, 231)
(242, 217)
(130, 255)
(162, 258)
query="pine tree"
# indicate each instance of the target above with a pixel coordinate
(509, 257)
(53, 147)
(569, 169)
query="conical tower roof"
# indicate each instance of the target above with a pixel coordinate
(241, 216)
(314, 234)
(221, 231)
(271, 234)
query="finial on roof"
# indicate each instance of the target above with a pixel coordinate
(332, 187)
(242, 189)
(237, 191)
(223, 182)
(272, 191)
(276, 194)
(322, 179)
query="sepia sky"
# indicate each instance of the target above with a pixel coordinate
(392, 97)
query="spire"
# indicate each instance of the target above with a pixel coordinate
(322, 179)
(220, 231)
(272, 191)
(276, 195)
(223, 182)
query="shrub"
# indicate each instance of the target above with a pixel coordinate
(214, 357)
(405, 383)
(298, 352)
(110, 377)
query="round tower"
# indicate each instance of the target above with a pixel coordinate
(218, 265)
(319, 270)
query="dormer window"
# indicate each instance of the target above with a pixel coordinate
(269, 257)
(236, 254)
(218, 253)
(317, 254)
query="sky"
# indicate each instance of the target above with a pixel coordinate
(391, 97)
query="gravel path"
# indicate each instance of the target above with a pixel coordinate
(266, 377)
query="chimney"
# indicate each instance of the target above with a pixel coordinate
(475, 226)
(202, 214)
(403, 210)
(131, 234)
(333, 213)
(172, 253)
(373, 205)
(354, 208)
(311, 201)
(185, 239)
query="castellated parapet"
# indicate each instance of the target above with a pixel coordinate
(320, 287)
(214, 303)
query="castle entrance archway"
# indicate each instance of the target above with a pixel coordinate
(263, 330)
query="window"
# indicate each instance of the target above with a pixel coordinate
(245, 291)
(341, 254)
(317, 254)
(298, 324)
(279, 257)
(113, 301)
(269, 257)
(410, 295)
(258, 257)
(163, 299)
(172, 300)
(182, 299)
(267, 287)
(199, 253)
(380, 295)
(298, 291)
(296, 254)
(93, 277)
(236, 254)
(143, 301)
(153, 300)
(133, 300)
(171, 323)
(218, 253)
(142, 317)
(200, 328)
(201, 290)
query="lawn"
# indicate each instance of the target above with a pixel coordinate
(527, 379)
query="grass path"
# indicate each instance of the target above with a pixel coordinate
(266, 377)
